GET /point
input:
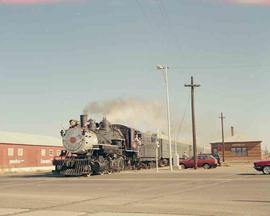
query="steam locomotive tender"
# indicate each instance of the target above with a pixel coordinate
(92, 148)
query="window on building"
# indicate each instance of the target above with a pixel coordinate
(239, 151)
(43, 152)
(10, 151)
(20, 152)
(58, 152)
(51, 152)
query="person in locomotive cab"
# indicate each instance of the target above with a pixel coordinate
(73, 123)
(137, 140)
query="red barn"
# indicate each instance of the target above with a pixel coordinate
(20, 150)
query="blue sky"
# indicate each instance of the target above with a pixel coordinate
(56, 58)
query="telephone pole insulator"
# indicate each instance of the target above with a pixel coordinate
(193, 86)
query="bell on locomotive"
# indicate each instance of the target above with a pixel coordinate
(78, 138)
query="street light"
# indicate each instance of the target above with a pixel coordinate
(164, 69)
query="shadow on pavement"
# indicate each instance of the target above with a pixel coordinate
(253, 201)
(250, 174)
(36, 175)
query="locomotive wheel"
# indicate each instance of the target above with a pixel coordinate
(151, 165)
(121, 164)
(143, 165)
(58, 168)
(96, 168)
(163, 162)
(87, 170)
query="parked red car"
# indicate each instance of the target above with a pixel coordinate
(263, 166)
(206, 161)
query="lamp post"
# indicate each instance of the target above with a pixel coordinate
(176, 155)
(164, 69)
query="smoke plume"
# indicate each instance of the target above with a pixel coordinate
(146, 116)
(141, 114)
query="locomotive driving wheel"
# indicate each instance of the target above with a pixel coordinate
(121, 164)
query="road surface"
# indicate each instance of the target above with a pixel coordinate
(235, 190)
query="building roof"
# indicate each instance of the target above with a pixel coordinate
(28, 139)
(238, 138)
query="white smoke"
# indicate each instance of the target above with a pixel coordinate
(145, 115)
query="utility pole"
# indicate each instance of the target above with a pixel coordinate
(222, 133)
(193, 86)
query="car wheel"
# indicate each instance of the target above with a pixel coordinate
(183, 166)
(206, 166)
(266, 170)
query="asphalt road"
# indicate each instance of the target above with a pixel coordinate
(236, 190)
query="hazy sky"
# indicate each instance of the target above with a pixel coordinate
(57, 56)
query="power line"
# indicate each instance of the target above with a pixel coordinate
(153, 27)
(223, 67)
(168, 24)
(183, 117)
(146, 17)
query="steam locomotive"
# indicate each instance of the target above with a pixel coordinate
(92, 148)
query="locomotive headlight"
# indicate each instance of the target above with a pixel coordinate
(72, 140)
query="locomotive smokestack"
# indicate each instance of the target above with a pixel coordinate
(83, 120)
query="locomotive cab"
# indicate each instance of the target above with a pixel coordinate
(118, 142)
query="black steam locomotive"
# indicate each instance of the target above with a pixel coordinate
(92, 148)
